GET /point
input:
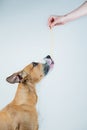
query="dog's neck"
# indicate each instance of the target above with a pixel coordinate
(25, 95)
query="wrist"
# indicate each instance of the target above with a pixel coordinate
(67, 18)
(64, 19)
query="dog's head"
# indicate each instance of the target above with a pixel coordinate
(32, 73)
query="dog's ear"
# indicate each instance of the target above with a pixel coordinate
(16, 77)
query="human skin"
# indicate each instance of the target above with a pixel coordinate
(56, 20)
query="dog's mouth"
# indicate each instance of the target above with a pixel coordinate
(49, 63)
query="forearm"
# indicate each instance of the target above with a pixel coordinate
(81, 11)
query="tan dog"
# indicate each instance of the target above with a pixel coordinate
(21, 113)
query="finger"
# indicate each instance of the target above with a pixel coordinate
(50, 18)
(53, 24)
(50, 21)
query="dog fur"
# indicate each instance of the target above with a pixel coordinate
(21, 113)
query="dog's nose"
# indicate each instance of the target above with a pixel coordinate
(48, 57)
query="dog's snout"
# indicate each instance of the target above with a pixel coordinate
(49, 64)
(49, 60)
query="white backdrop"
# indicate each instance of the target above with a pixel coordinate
(25, 37)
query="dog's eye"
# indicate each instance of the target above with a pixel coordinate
(34, 64)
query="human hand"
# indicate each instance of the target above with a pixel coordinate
(55, 20)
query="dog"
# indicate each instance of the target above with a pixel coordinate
(21, 113)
